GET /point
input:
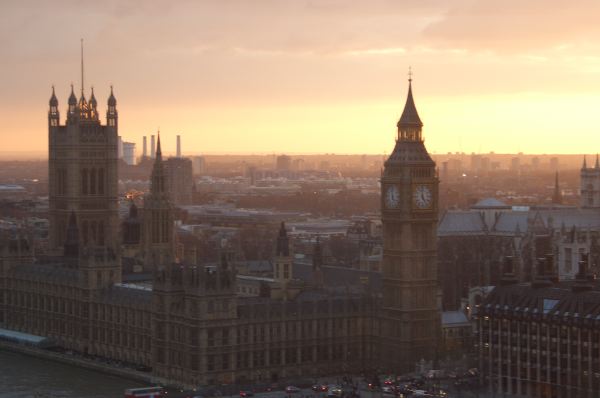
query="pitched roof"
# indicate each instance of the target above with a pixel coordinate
(490, 203)
(461, 223)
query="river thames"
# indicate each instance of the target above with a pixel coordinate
(24, 376)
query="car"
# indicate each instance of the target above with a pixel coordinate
(334, 391)
(387, 389)
(316, 387)
(292, 389)
(246, 393)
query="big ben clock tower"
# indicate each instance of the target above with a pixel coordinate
(409, 206)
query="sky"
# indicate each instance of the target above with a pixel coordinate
(310, 76)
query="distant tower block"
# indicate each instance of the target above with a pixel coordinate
(120, 147)
(152, 147)
(178, 146)
(145, 147)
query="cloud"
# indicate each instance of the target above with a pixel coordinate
(515, 26)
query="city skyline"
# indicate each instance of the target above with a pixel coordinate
(332, 74)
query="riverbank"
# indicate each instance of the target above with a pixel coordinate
(130, 374)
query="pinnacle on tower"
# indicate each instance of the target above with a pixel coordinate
(158, 150)
(597, 165)
(410, 116)
(72, 97)
(283, 243)
(93, 102)
(557, 196)
(53, 99)
(584, 163)
(112, 101)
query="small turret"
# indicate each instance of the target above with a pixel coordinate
(53, 100)
(53, 114)
(93, 102)
(112, 115)
(283, 242)
(72, 103)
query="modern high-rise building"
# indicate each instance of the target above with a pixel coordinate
(198, 164)
(409, 205)
(129, 153)
(284, 162)
(178, 146)
(83, 172)
(179, 180)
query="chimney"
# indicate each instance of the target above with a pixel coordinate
(582, 282)
(508, 273)
(541, 279)
(152, 147)
(551, 270)
(145, 147)
(178, 146)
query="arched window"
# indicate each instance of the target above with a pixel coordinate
(85, 227)
(93, 232)
(590, 195)
(92, 181)
(101, 233)
(84, 182)
(101, 181)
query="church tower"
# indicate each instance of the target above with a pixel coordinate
(409, 209)
(158, 218)
(590, 184)
(82, 173)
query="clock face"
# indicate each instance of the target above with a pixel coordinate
(392, 197)
(422, 197)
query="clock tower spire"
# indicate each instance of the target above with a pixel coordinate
(409, 206)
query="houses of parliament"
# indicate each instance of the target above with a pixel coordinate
(190, 327)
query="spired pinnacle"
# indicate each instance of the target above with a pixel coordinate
(410, 116)
(72, 98)
(53, 99)
(158, 150)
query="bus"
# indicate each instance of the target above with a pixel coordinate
(145, 392)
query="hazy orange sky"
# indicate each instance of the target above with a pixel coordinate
(236, 76)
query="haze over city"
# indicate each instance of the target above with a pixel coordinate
(299, 199)
(310, 76)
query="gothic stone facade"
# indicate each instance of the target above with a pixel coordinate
(542, 339)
